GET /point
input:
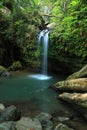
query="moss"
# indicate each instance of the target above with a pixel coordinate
(2, 69)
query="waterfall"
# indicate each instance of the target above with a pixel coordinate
(43, 39)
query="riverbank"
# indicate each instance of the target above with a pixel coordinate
(44, 101)
(73, 90)
(11, 118)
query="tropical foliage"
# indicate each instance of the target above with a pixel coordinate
(20, 21)
(69, 38)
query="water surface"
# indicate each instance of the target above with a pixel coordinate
(32, 95)
(28, 88)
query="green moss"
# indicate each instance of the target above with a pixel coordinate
(2, 69)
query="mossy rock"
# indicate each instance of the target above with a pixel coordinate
(2, 69)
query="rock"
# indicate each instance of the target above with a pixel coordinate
(26, 123)
(43, 116)
(2, 70)
(51, 25)
(81, 73)
(2, 108)
(5, 10)
(61, 119)
(76, 85)
(76, 97)
(10, 114)
(7, 126)
(78, 100)
(6, 74)
(62, 127)
(45, 120)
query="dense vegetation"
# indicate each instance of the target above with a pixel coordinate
(21, 21)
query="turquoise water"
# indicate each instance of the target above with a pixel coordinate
(25, 88)
(33, 95)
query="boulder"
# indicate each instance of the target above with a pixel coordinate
(7, 126)
(45, 120)
(62, 127)
(43, 116)
(5, 10)
(79, 74)
(51, 25)
(78, 100)
(10, 114)
(75, 97)
(26, 123)
(6, 74)
(75, 85)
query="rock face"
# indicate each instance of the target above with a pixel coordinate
(75, 85)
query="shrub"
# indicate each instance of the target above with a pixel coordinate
(16, 65)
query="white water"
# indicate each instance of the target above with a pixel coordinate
(43, 40)
(40, 76)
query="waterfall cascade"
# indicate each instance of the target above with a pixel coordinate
(43, 39)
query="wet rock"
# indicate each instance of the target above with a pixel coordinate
(10, 114)
(43, 116)
(2, 108)
(51, 25)
(76, 85)
(62, 127)
(75, 97)
(7, 126)
(6, 74)
(26, 123)
(78, 100)
(61, 119)
(81, 73)
(45, 120)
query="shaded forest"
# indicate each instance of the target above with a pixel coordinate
(22, 20)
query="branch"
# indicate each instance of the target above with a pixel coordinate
(51, 15)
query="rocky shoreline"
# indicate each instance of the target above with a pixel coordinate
(11, 119)
(74, 91)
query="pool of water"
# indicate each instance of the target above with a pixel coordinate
(32, 95)
(33, 89)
